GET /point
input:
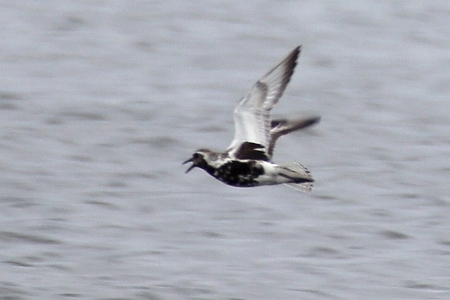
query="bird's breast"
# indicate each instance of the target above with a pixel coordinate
(242, 173)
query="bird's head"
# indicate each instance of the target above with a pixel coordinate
(200, 159)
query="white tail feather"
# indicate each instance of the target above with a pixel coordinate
(302, 187)
(297, 172)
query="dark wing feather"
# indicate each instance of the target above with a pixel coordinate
(282, 127)
(249, 150)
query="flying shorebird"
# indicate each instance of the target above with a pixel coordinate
(247, 161)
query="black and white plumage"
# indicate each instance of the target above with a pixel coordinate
(248, 160)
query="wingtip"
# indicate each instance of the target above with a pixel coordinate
(297, 49)
(314, 120)
(291, 63)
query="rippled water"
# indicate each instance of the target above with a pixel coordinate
(101, 101)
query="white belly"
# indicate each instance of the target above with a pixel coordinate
(277, 174)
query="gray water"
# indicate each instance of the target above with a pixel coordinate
(101, 101)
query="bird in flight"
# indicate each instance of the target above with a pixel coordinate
(247, 162)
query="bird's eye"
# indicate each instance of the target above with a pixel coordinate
(196, 156)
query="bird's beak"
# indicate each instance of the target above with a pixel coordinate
(191, 167)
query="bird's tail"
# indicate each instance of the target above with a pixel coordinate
(299, 176)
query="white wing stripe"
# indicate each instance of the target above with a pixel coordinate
(252, 114)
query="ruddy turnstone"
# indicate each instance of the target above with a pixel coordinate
(247, 161)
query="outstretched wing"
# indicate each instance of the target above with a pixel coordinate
(285, 126)
(252, 115)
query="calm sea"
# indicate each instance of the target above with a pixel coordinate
(101, 101)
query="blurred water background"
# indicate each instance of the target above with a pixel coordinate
(101, 101)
